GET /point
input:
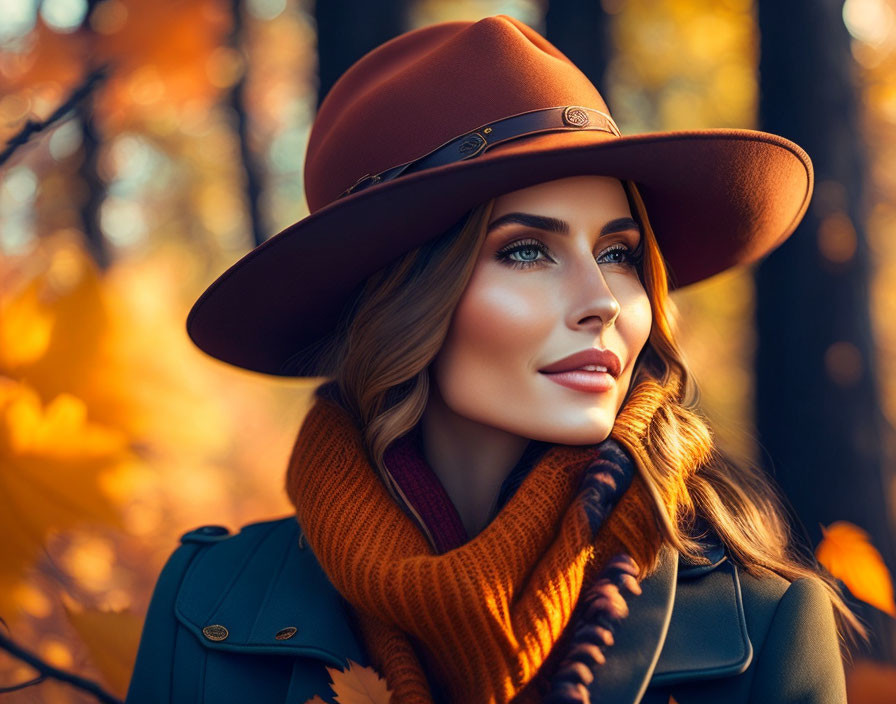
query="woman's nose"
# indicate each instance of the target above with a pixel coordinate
(598, 302)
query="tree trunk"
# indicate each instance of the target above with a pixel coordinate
(818, 412)
(88, 171)
(582, 32)
(252, 169)
(348, 29)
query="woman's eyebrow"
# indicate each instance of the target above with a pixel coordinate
(549, 224)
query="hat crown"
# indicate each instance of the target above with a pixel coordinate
(435, 121)
(425, 87)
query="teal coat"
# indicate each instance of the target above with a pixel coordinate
(252, 617)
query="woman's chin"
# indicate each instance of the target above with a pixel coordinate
(574, 433)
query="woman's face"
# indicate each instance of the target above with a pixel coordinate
(555, 276)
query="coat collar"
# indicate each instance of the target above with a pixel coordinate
(639, 638)
(687, 623)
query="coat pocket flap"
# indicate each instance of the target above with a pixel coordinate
(261, 591)
(707, 634)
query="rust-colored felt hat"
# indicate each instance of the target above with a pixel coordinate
(430, 124)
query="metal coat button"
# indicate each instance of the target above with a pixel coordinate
(215, 632)
(286, 633)
(213, 530)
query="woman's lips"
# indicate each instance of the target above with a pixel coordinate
(582, 380)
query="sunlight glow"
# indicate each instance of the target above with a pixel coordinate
(63, 15)
(870, 21)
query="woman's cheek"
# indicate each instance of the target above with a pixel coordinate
(502, 320)
(639, 317)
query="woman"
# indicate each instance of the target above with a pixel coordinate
(504, 492)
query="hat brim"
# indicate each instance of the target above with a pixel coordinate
(716, 198)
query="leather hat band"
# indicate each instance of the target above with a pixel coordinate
(470, 144)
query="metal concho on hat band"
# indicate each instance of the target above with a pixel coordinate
(471, 144)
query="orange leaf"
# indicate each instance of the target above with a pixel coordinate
(869, 682)
(359, 685)
(847, 553)
(111, 638)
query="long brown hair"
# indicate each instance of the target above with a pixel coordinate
(385, 387)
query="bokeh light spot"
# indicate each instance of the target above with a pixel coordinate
(122, 221)
(265, 9)
(89, 560)
(57, 653)
(837, 239)
(32, 600)
(17, 18)
(13, 108)
(843, 363)
(224, 67)
(20, 184)
(146, 86)
(65, 140)
(869, 21)
(63, 15)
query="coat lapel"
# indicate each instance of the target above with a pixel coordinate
(631, 660)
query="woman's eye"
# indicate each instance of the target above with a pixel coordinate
(525, 254)
(528, 253)
(619, 249)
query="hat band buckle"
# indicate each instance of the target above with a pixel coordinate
(475, 142)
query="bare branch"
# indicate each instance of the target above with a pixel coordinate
(23, 685)
(33, 127)
(47, 670)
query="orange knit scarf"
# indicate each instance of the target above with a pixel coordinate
(484, 616)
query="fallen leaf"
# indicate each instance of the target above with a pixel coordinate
(847, 553)
(359, 685)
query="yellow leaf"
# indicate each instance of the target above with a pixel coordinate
(52, 458)
(25, 327)
(61, 297)
(359, 685)
(59, 430)
(847, 553)
(111, 638)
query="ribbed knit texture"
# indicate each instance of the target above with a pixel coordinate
(486, 615)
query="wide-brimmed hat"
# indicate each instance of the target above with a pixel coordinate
(430, 124)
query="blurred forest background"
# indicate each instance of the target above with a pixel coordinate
(147, 145)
